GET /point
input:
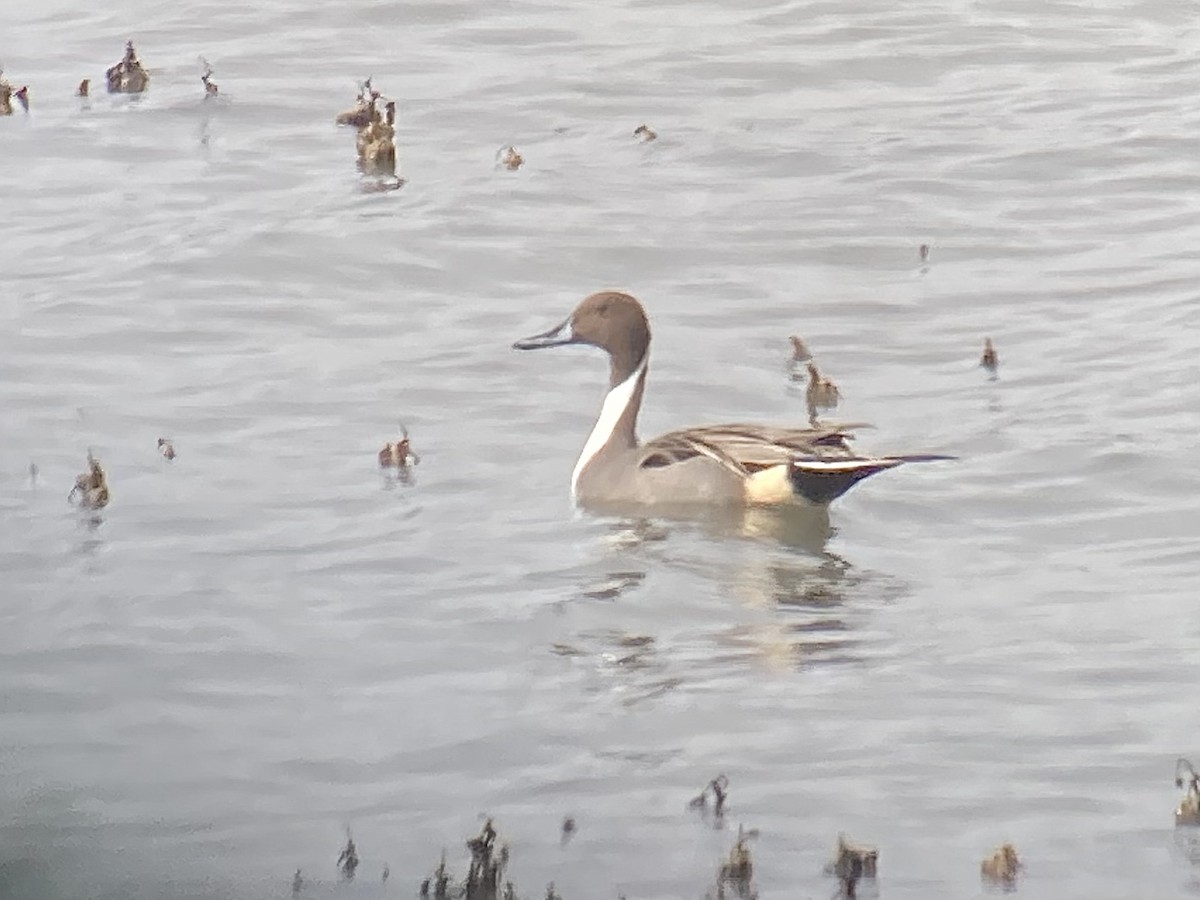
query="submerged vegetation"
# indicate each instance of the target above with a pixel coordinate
(485, 872)
(1188, 811)
(852, 863)
(737, 871)
(92, 486)
(128, 76)
(348, 859)
(1002, 866)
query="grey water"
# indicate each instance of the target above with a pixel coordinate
(268, 640)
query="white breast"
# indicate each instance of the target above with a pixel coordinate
(615, 404)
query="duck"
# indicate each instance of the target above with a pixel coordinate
(989, 360)
(822, 393)
(510, 158)
(1002, 866)
(646, 132)
(376, 144)
(128, 76)
(91, 486)
(734, 464)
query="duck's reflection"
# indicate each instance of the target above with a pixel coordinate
(796, 527)
(795, 598)
(800, 614)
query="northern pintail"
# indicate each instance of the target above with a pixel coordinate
(721, 464)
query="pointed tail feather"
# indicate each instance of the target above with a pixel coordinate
(822, 481)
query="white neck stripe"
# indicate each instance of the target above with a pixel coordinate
(615, 404)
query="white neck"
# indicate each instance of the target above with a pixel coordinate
(615, 404)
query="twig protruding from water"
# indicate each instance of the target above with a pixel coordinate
(1002, 866)
(348, 859)
(853, 862)
(738, 870)
(719, 787)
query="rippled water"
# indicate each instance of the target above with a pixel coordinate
(265, 640)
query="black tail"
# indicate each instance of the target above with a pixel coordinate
(820, 480)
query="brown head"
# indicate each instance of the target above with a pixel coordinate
(613, 321)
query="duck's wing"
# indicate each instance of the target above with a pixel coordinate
(816, 463)
(747, 449)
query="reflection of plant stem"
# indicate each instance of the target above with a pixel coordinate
(720, 790)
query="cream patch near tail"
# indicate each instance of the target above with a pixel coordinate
(770, 486)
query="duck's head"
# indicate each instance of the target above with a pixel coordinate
(610, 320)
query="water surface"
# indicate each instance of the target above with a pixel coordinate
(266, 640)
